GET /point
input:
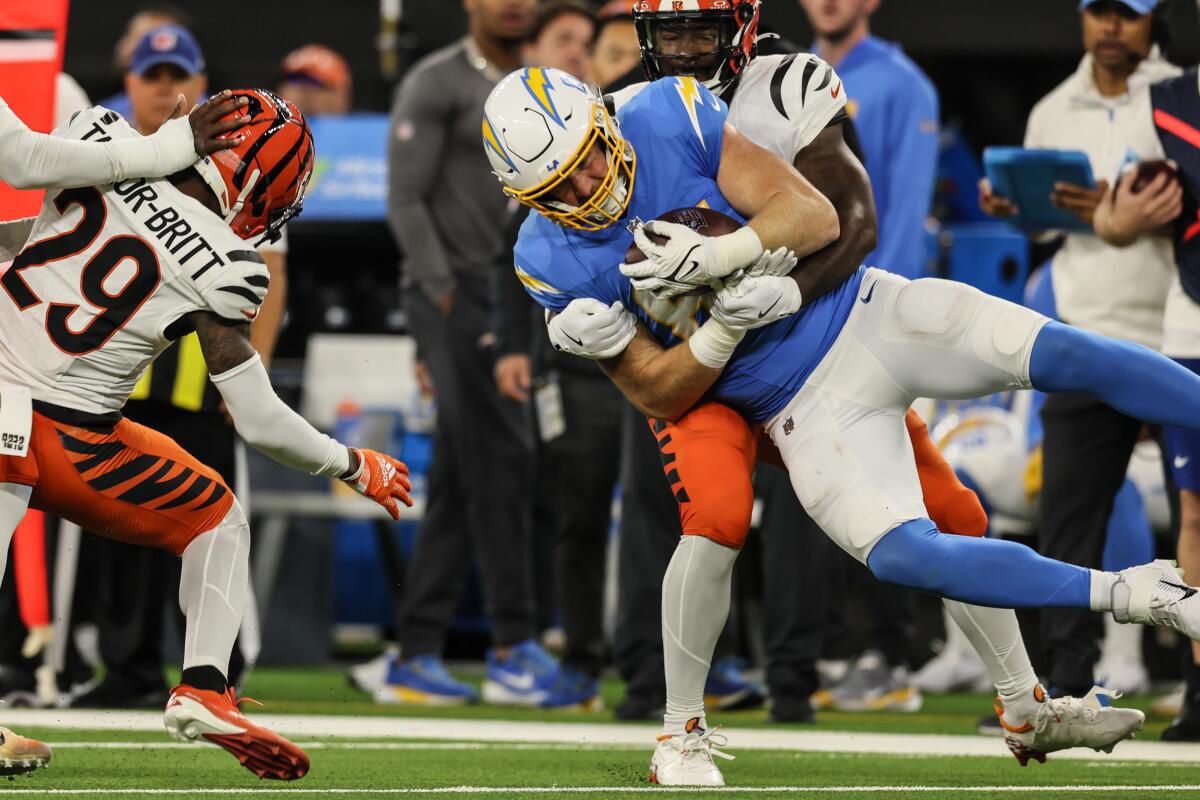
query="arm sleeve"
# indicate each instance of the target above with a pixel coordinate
(269, 425)
(907, 180)
(30, 160)
(416, 140)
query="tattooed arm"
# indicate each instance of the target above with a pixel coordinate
(261, 418)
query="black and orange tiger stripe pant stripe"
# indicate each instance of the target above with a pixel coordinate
(123, 481)
(709, 454)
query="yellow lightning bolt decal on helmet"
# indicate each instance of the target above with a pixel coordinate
(538, 84)
(492, 142)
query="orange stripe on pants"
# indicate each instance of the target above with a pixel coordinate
(709, 456)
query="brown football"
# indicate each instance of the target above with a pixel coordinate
(704, 221)
(1147, 171)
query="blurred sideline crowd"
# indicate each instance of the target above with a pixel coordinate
(547, 486)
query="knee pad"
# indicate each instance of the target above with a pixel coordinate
(932, 310)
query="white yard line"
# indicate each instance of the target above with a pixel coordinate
(528, 790)
(594, 734)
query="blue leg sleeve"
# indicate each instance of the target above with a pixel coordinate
(1130, 378)
(983, 572)
(1129, 541)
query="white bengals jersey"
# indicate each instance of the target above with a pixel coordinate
(107, 278)
(780, 102)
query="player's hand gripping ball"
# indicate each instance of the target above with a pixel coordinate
(673, 255)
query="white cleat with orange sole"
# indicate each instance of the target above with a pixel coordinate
(1065, 722)
(687, 760)
(194, 715)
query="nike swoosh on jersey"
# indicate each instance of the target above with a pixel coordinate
(835, 91)
(1182, 461)
(866, 298)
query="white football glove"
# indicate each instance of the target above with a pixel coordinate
(756, 300)
(589, 328)
(777, 262)
(687, 260)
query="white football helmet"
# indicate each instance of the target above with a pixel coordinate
(539, 124)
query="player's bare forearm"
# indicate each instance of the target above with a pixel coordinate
(264, 333)
(225, 344)
(779, 203)
(663, 383)
(830, 165)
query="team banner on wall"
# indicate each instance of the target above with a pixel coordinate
(349, 180)
(32, 34)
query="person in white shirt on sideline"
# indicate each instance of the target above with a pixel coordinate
(1099, 109)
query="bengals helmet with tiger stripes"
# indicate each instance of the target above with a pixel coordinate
(735, 23)
(260, 183)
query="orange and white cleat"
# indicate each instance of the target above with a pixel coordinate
(1061, 723)
(20, 754)
(194, 714)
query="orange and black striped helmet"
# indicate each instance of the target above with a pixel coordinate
(260, 183)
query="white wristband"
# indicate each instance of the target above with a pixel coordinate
(713, 344)
(737, 250)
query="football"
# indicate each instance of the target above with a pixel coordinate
(704, 221)
(1146, 171)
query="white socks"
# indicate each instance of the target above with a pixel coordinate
(213, 588)
(14, 501)
(996, 637)
(695, 605)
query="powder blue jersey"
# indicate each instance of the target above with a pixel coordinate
(675, 127)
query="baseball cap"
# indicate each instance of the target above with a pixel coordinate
(1140, 6)
(167, 44)
(316, 63)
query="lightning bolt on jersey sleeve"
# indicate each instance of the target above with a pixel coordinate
(31, 160)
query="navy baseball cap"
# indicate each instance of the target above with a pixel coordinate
(167, 44)
(1142, 7)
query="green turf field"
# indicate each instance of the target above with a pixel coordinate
(144, 763)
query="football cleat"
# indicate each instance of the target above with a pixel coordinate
(728, 689)
(1171, 704)
(573, 691)
(371, 676)
(687, 760)
(1065, 722)
(20, 754)
(423, 681)
(1155, 594)
(524, 677)
(194, 714)
(871, 685)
